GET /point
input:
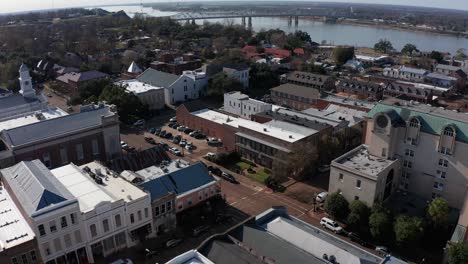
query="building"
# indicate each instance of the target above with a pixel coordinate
(191, 256)
(406, 73)
(409, 91)
(316, 81)
(173, 64)
(188, 86)
(274, 236)
(58, 139)
(16, 105)
(148, 94)
(460, 234)
(239, 72)
(428, 143)
(192, 186)
(114, 213)
(132, 72)
(75, 80)
(362, 89)
(17, 240)
(241, 105)
(52, 212)
(295, 96)
(373, 60)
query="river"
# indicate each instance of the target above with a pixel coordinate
(337, 34)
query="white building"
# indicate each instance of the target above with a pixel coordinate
(148, 94)
(406, 73)
(241, 105)
(188, 86)
(238, 72)
(51, 210)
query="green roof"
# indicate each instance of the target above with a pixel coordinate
(431, 123)
(157, 78)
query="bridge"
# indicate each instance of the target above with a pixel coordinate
(247, 14)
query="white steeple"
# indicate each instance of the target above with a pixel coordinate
(26, 83)
(134, 68)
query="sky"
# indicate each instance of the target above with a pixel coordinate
(8, 6)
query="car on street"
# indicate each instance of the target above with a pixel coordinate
(321, 197)
(200, 230)
(175, 151)
(150, 140)
(139, 123)
(124, 145)
(173, 242)
(228, 177)
(210, 155)
(215, 170)
(123, 261)
(173, 119)
(331, 225)
(382, 250)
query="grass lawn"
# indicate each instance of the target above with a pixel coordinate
(243, 165)
(259, 176)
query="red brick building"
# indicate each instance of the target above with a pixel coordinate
(295, 96)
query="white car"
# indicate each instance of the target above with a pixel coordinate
(189, 146)
(181, 128)
(175, 151)
(331, 225)
(172, 120)
(123, 261)
(321, 197)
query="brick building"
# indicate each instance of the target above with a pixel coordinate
(74, 80)
(364, 90)
(317, 81)
(171, 63)
(295, 96)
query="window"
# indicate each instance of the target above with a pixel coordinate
(73, 218)
(358, 184)
(384, 152)
(156, 211)
(41, 230)
(448, 131)
(108, 243)
(439, 186)
(105, 225)
(24, 258)
(139, 215)
(95, 147)
(120, 239)
(445, 150)
(163, 208)
(93, 230)
(63, 222)
(14, 260)
(169, 206)
(57, 244)
(407, 164)
(52, 226)
(341, 177)
(79, 152)
(180, 206)
(405, 175)
(356, 198)
(118, 221)
(443, 174)
(189, 201)
(443, 163)
(46, 159)
(33, 256)
(46, 249)
(78, 236)
(414, 123)
(67, 239)
(409, 152)
(132, 218)
(146, 213)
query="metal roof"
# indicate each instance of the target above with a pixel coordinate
(297, 90)
(179, 182)
(158, 78)
(36, 189)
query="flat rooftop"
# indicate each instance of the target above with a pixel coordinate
(88, 193)
(155, 172)
(32, 118)
(137, 87)
(277, 129)
(14, 230)
(190, 257)
(348, 101)
(359, 159)
(338, 114)
(115, 186)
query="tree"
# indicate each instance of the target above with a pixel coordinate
(358, 217)
(221, 83)
(435, 55)
(262, 77)
(438, 211)
(408, 230)
(342, 54)
(458, 253)
(380, 223)
(461, 53)
(408, 49)
(337, 206)
(384, 46)
(298, 164)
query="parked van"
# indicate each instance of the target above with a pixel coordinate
(331, 225)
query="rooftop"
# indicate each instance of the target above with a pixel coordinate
(300, 118)
(154, 172)
(36, 189)
(307, 77)
(32, 118)
(157, 78)
(190, 257)
(338, 114)
(297, 90)
(347, 101)
(14, 230)
(137, 87)
(81, 76)
(360, 160)
(413, 70)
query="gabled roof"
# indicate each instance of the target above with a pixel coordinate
(307, 77)
(297, 90)
(81, 76)
(158, 78)
(359, 85)
(179, 182)
(134, 68)
(36, 188)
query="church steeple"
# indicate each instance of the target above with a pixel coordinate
(26, 83)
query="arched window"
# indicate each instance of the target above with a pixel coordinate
(448, 131)
(414, 123)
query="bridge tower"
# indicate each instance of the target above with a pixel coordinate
(243, 21)
(250, 23)
(289, 21)
(296, 21)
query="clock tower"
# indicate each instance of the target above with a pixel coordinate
(26, 83)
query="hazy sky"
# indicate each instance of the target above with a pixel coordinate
(7, 6)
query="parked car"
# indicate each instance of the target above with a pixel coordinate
(175, 126)
(210, 155)
(139, 123)
(150, 140)
(213, 141)
(157, 131)
(123, 261)
(163, 133)
(199, 136)
(331, 225)
(173, 242)
(324, 168)
(152, 130)
(354, 237)
(168, 135)
(176, 139)
(382, 250)
(164, 145)
(181, 128)
(189, 146)
(228, 177)
(175, 151)
(321, 197)
(194, 133)
(183, 142)
(188, 130)
(173, 119)
(199, 230)
(215, 170)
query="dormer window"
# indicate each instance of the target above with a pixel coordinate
(414, 123)
(448, 131)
